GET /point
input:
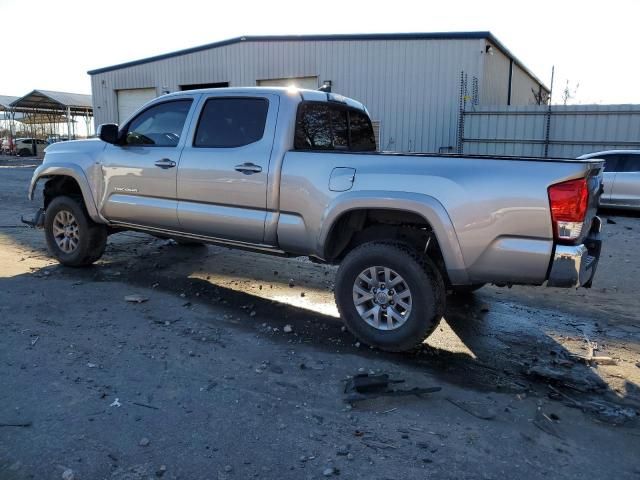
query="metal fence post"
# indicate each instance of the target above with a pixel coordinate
(547, 131)
(461, 108)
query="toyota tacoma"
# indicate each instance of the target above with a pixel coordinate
(296, 173)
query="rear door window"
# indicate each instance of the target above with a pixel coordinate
(231, 122)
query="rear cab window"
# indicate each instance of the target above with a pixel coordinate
(329, 126)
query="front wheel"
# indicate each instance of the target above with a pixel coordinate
(388, 296)
(72, 237)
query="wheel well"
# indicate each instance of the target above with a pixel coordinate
(356, 227)
(61, 185)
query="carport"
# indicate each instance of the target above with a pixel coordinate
(52, 110)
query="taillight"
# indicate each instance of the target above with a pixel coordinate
(569, 202)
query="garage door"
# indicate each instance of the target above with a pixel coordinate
(130, 100)
(301, 82)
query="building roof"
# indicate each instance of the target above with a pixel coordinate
(79, 103)
(336, 37)
(6, 101)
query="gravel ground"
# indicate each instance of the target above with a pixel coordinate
(202, 380)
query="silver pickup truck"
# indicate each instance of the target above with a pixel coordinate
(296, 173)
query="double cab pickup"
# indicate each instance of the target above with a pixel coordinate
(296, 173)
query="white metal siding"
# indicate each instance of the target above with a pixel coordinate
(522, 87)
(495, 85)
(410, 86)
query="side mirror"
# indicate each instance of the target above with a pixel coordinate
(108, 132)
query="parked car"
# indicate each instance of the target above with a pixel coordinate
(621, 178)
(295, 172)
(24, 146)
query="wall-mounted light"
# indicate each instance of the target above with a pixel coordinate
(488, 50)
(326, 86)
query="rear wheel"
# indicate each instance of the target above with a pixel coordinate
(25, 152)
(72, 237)
(388, 296)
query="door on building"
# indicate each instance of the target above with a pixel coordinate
(132, 99)
(223, 172)
(140, 173)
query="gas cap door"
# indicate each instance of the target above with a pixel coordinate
(341, 179)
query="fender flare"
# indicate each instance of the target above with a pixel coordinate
(69, 170)
(423, 205)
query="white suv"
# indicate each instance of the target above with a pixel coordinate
(24, 146)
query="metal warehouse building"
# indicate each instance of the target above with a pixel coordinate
(414, 85)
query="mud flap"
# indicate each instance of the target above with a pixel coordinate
(37, 221)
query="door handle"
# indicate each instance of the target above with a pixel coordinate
(248, 168)
(165, 163)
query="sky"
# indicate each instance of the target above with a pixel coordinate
(54, 43)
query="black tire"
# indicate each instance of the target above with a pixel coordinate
(25, 152)
(466, 289)
(92, 237)
(423, 280)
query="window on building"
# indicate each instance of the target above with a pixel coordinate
(158, 126)
(231, 122)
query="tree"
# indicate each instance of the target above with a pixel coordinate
(569, 93)
(540, 96)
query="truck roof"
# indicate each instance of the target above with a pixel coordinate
(305, 94)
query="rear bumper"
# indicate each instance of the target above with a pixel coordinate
(575, 265)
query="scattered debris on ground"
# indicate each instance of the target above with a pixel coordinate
(136, 298)
(364, 386)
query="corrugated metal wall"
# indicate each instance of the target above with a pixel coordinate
(495, 88)
(411, 86)
(573, 130)
(522, 88)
